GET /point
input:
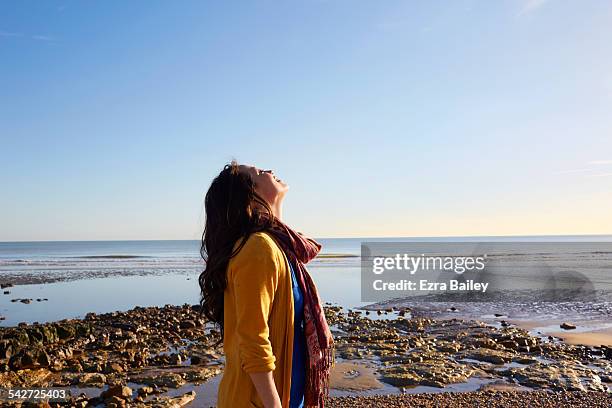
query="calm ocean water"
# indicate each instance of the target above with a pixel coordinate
(103, 276)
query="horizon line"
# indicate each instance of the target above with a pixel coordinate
(337, 237)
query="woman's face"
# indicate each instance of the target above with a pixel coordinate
(267, 185)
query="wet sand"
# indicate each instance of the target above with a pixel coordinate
(353, 377)
(587, 333)
(593, 338)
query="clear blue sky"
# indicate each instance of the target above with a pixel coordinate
(386, 118)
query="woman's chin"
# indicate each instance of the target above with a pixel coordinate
(282, 190)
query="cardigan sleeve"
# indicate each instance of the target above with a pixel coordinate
(255, 275)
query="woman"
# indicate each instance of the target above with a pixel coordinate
(278, 346)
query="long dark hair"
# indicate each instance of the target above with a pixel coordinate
(233, 211)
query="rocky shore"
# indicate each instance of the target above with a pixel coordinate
(437, 353)
(132, 357)
(163, 356)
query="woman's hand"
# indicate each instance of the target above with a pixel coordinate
(264, 384)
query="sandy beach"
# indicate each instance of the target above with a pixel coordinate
(587, 333)
(593, 338)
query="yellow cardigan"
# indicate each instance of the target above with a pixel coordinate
(258, 322)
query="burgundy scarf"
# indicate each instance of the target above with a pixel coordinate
(320, 343)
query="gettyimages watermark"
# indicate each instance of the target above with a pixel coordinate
(485, 271)
(413, 264)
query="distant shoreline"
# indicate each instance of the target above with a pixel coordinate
(54, 275)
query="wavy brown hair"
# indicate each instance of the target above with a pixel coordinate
(233, 212)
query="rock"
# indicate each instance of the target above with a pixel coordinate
(188, 324)
(484, 342)
(201, 374)
(114, 368)
(489, 356)
(525, 360)
(30, 358)
(6, 292)
(93, 379)
(175, 358)
(92, 367)
(65, 331)
(146, 390)
(159, 378)
(120, 391)
(41, 404)
(559, 378)
(434, 373)
(75, 367)
(42, 334)
(126, 327)
(567, 326)
(115, 402)
(510, 344)
(448, 346)
(181, 400)
(175, 402)
(6, 349)
(5, 285)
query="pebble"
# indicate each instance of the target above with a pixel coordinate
(489, 399)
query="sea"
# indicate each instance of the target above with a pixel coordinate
(68, 279)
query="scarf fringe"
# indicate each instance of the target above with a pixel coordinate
(317, 383)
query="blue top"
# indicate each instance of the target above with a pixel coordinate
(298, 368)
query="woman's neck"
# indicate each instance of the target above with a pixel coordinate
(277, 209)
